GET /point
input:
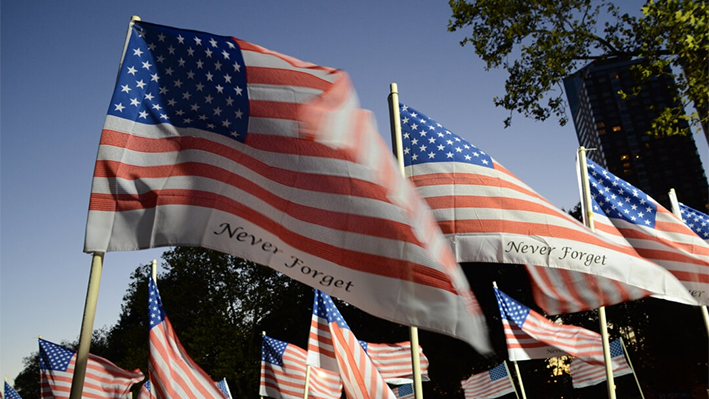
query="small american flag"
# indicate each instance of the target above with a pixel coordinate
(173, 373)
(103, 379)
(10, 392)
(632, 219)
(405, 391)
(536, 335)
(697, 221)
(283, 370)
(394, 361)
(224, 387)
(359, 375)
(584, 374)
(491, 216)
(213, 141)
(489, 384)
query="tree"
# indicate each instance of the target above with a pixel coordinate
(541, 42)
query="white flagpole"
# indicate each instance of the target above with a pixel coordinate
(263, 334)
(630, 364)
(678, 212)
(399, 153)
(87, 323)
(588, 220)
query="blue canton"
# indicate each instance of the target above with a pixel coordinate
(54, 357)
(498, 372)
(326, 309)
(363, 344)
(616, 198)
(10, 392)
(697, 221)
(425, 140)
(156, 313)
(272, 351)
(186, 79)
(511, 309)
(407, 389)
(616, 348)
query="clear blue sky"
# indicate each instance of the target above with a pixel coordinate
(58, 66)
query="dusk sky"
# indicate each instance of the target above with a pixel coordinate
(59, 62)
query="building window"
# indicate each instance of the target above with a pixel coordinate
(624, 157)
(616, 128)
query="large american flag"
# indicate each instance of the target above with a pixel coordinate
(631, 218)
(489, 215)
(174, 375)
(584, 374)
(103, 378)
(341, 352)
(697, 221)
(10, 392)
(216, 142)
(489, 384)
(572, 340)
(283, 371)
(394, 361)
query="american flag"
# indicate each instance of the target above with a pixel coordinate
(633, 219)
(10, 392)
(103, 379)
(359, 375)
(572, 340)
(283, 370)
(584, 374)
(224, 387)
(489, 384)
(145, 391)
(213, 141)
(405, 391)
(393, 361)
(172, 372)
(489, 215)
(697, 221)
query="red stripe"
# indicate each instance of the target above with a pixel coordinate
(284, 77)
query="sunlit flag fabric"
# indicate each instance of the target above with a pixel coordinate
(489, 384)
(572, 340)
(584, 374)
(697, 221)
(216, 142)
(333, 346)
(632, 218)
(489, 215)
(10, 392)
(174, 375)
(393, 361)
(283, 371)
(145, 391)
(405, 391)
(103, 379)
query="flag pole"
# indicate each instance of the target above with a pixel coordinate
(263, 334)
(588, 221)
(397, 146)
(519, 375)
(509, 375)
(87, 327)
(87, 323)
(678, 212)
(307, 380)
(627, 357)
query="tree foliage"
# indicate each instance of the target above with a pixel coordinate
(541, 42)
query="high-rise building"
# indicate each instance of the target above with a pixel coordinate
(619, 131)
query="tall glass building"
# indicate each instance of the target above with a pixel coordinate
(619, 131)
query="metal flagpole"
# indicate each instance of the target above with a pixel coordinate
(87, 323)
(588, 220)
(630, 364)
(307, 380)
(399, 153)
(509, 375)
(263, 334)
(677, 212)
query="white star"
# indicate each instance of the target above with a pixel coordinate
(147, 65)
(137, 52)
(140, 83)
(238, 90)
(119, 107)
(125, 88)
(225, 54)
(132, 70)
(198, 41)
(213, 42)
